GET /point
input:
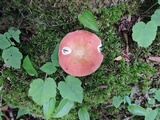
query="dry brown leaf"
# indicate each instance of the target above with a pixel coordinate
(154, 59)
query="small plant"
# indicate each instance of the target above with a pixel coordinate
(144, 34)
(150, 113)
(11, 54)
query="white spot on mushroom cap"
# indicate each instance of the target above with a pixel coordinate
(66, 50)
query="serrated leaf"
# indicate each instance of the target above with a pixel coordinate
(137, 110)
(71, 89)
(144, 34)
(63, 109)
(48, 68)
(4, 43)
(42, 91)
(151, 115)
(156, 17)
(12, 57)
(88, 20)
(117, 100)
(22, 112)
(48, 108)
(27, 65)
(14, 33)
(54, 56)
(83, 114)
(157, 95)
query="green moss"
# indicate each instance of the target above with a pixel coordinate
(43, 25)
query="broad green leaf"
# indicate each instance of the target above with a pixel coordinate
(4, 43)
(27, 65)
(151, 115)
(14, 33)
(54, 56)
(153, 90)
(88, 20)
(48, 108)
(144, 34)
(22, 112)
(71, 89)
(48, 68)
(83, 114)
(156, 17)
(127, 100)
(158, 1)
(157, 95)
(63, 109)
(151, 101)
(137, 110)
(117, 100)
(42, 91)
(12, 57)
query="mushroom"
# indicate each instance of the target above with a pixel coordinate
(80, 53)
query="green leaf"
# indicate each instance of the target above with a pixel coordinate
(153, 90)
(157, 95)
(117, 100)
(83, 114)
(63, 109)
(151, 101)
(88, 20)
(144, 34)
(4, 43)
(41, 91)
(151, 115)
(48, 68)
(14, 33)
(127, 100)
(156, 17)
(1, 115)
(22, 112)
(54, 56)
(137, 110)
(48, 108)
(27, 65)
(158, 1)
(71, 89)
(12, 57)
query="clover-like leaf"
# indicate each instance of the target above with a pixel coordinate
(48, 68)
(63, 108)
(27, 65)
(144, 34)
(54, 56)
(12, 57)
(117, 100)
(88, 20)
(4, 43)
(71, 89)
(14, 33)
(156, 17)
(42, 91)
(83, 114)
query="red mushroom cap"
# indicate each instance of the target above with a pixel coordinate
(79, 53)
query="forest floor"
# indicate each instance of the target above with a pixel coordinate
(127, 69)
